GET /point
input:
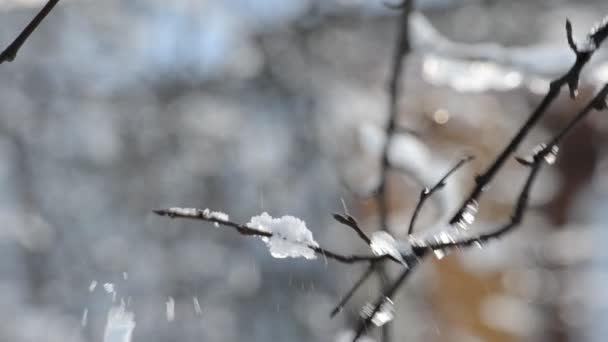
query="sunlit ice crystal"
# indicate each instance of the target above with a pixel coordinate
(468, 214)
(549, 157)
(443, 237)
(385, 313)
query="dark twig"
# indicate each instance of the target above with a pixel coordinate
(426, 192)
(350, 221)
(402, 48)
(9, 54)
(387, 293)
(570, 78)
(345, 298)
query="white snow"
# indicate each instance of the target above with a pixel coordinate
(218, 215)
(197, 306)
(120, 325)
(290, 236)
(191, 212)
(84, 319)
(170, 309)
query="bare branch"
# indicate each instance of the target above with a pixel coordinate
(353, 289)
(350, 221)
(9, 54)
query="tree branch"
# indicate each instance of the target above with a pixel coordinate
(570, 78)
(9, 54)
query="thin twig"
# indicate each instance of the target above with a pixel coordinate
(345, 298)
(402, 49)
(9, 54)
(351, 222)
(426, 192)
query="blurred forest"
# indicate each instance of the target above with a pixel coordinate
(114, 108)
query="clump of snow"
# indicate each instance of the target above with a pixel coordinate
(120, 325)
(383, 243)
(290, 236)
(170, 309)
(215, 215)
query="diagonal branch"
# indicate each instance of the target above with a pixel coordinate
(570, 78)
(9, 54)
(538, 159)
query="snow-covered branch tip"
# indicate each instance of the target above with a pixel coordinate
(10, 53)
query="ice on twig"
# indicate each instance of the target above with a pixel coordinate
(383, 243)
(444, 236)
(120, 325)
(468, 215)
(290, 236)
(170, 309)
(385, 313)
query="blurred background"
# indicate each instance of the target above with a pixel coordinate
(114, 108)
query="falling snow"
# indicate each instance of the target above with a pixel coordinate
(197, 306)
(85, 315)
(170, 309)
(93, 286)
(120, 325)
